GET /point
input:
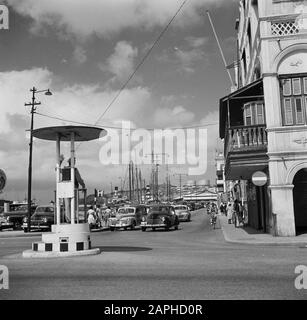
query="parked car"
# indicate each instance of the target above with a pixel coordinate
(42, 219)
(183, 213)
(160, 216)
(14, 218)
(198, 206)
(127, 217)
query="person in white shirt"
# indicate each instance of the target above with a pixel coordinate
(91, 217)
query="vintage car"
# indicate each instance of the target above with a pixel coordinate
(127, 217)
(160, 216)
(42, 219)
(13, 219)
(183, 213)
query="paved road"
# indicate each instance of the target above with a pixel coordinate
(194, 262)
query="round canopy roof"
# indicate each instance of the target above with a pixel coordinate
(82, 133)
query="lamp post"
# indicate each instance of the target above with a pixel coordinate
(33, 105)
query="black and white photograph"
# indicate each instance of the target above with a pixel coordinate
(153, 154)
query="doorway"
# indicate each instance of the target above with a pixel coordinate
(300, 201)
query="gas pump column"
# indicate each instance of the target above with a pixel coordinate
(65, 239)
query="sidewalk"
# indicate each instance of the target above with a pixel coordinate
(247, 235)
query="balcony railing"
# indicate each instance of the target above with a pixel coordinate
(284, 28)
(246, 138)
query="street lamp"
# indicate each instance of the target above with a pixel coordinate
(33, 105)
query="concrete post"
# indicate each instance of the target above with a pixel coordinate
(58, 206)
(72, 170)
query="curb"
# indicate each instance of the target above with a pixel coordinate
(35, 254)
(260, 243)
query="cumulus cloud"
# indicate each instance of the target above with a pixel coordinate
(188, 58)
(169, 117)
(188, 55)
(121, 62)
(83, 18)
(79, 55)
(196, 42)
(81, 103)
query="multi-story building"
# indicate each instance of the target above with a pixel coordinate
(264, 120)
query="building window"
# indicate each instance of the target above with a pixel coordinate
(254, 113)
(294, 100)
(248, 116)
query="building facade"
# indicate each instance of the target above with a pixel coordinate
(264, 120)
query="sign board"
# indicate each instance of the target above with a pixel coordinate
(259, 178)
(65, 190)
(2, 179)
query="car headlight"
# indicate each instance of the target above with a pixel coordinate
(7, 219)
(25, 219)
(45, 220)
(163, 219)
(143, 219)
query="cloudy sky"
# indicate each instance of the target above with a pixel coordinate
(85, 51)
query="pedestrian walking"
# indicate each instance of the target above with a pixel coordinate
(229, 212)
(213, 214)
(99, 215)
(236, 210)
(91, 217)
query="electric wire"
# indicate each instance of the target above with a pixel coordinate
(121, 128)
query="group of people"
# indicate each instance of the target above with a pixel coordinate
(234, 211)
(98, 217)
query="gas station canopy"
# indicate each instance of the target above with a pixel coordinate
(82, 133)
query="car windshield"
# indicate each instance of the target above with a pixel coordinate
(44, 210)
(159, 209)
(125, 210)
(19, 208)
(181, 208)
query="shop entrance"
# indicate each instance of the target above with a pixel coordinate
(300, 201)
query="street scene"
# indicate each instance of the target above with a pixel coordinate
(153, 150)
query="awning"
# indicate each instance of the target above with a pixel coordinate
(251, 92)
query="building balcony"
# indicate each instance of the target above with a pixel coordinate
(245, 151)
(246, 138)
(243, 128)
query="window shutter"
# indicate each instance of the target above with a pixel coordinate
(288, 111)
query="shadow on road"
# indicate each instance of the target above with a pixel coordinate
(122, 249)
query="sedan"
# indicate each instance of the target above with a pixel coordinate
(160, 216)
(125, 218)
(42, 219)
(183, 213)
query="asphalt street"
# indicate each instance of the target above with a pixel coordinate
(194, 262)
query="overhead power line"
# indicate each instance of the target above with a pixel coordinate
(121, 128)
(141, 62)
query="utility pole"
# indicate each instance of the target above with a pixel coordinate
(33, 105)
(137, 184)
(133, 186)
(157, 182)
(155, 174)
(180, 180)
(141, 188)
(130, 183)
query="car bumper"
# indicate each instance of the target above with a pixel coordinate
(6, 225)
(153, 225)
(183, 218)
(120, 225)
(36, 226)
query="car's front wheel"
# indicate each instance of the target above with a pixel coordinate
(143, 229)
(176, 227)
(16, 226)
(112, 228)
